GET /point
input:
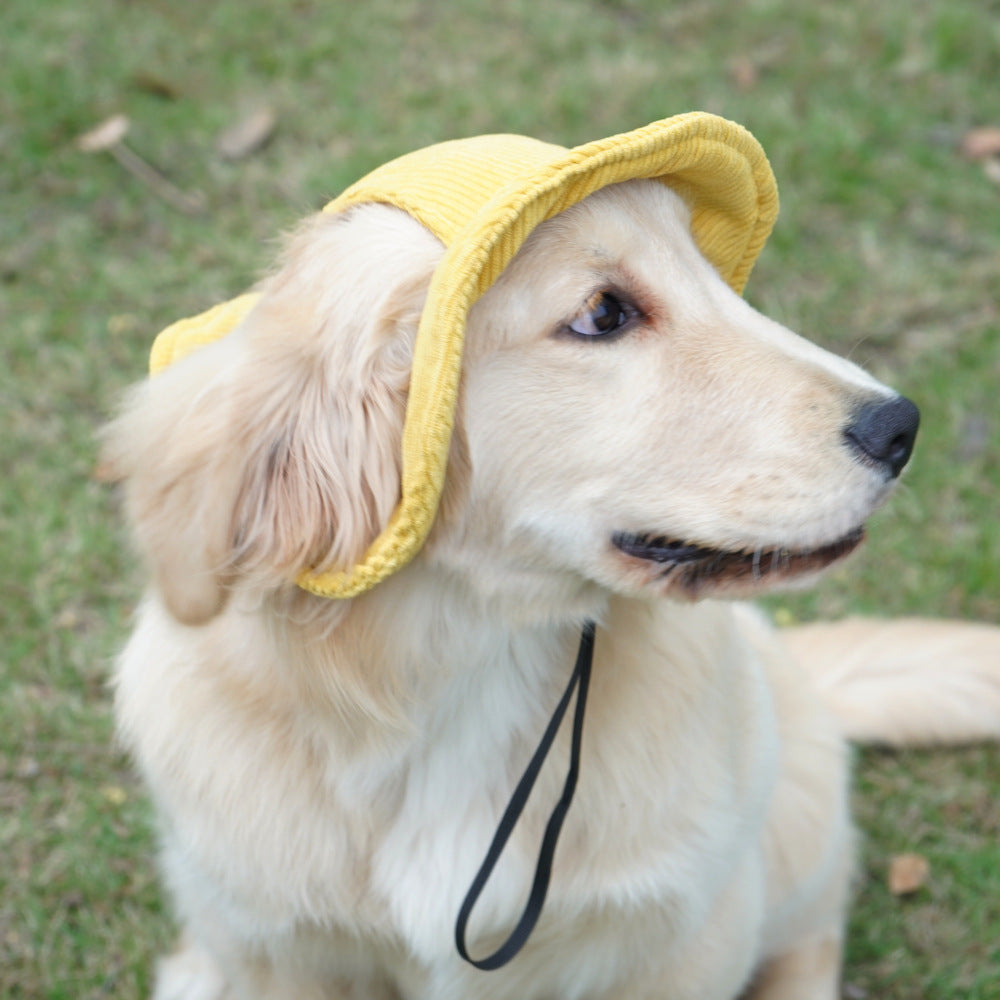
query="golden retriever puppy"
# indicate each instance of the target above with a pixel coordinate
(631, 436)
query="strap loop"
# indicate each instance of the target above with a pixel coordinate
(579, 682)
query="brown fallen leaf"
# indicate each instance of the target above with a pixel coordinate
(248, 135)
(981, 143)
(109, 133)
(155, 85)
(744, 73)
(908, 873)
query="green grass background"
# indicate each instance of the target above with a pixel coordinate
(887, 250)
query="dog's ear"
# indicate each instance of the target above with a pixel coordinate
(277, 449)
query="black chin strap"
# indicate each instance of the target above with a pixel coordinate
(533, 908)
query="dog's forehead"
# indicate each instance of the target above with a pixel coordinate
(634, 201)
(623, 218)
(632, 225)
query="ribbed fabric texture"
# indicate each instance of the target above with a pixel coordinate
(482, 197)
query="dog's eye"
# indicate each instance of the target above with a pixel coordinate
(604, 314)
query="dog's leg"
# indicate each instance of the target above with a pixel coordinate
(808, 842)
(810, 972)
(190, 973)
(193, 972)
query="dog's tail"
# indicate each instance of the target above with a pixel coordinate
(909, 682)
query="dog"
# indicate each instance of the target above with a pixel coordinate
(634, 445)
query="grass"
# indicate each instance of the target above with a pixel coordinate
(887, 250)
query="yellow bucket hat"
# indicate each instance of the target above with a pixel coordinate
(482, 197)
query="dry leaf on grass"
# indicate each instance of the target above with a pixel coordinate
(109, 133)
(981, 143)
(248, 135)
(907, 873)
(156, 85)
(744, 73)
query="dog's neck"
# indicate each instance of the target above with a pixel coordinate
(432, 646)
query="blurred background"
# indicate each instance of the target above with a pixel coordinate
(882, 121)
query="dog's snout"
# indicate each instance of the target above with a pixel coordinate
(884, 432)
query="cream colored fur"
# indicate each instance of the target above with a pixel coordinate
(328, 774)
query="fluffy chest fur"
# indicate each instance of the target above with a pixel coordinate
(298, 833)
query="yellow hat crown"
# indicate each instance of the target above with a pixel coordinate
(482, 197)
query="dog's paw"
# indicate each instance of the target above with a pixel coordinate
(190, 973)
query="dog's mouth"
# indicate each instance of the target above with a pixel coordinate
(695, 568)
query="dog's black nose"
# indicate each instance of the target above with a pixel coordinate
(884, 431)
